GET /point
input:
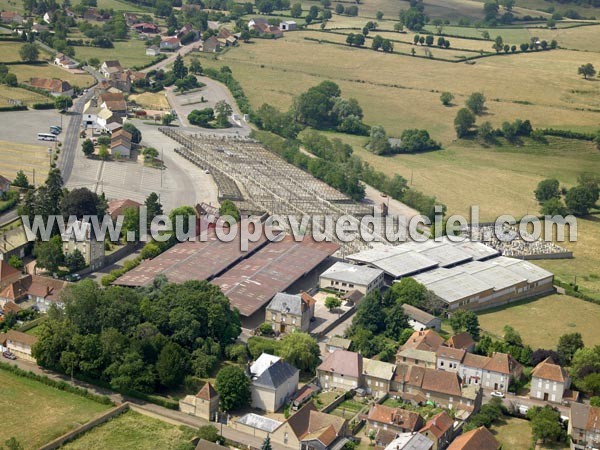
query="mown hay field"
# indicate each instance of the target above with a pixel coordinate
(36, 413)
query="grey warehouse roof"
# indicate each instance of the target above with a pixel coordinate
(352, 273)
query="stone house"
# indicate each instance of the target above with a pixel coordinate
(274, 382)
(549, 381)
(287, 312)
(393, 419)
(204, 404)
(341, 370)
(440, 429)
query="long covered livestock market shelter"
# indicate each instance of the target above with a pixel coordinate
(276, 267)
(191, 260)
(484, 284)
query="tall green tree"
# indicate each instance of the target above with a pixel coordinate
(568, 344)
(463, 320)
(463, 122)
(301, 350)
(179, 69)
(172, 365)
(49, 255)
(233, 387)
(21, 180)
(476, 103)
(547, 189)
(29, 52)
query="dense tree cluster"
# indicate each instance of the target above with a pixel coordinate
(380, 325)
(138, 340)
(414, 18)
(578, 200)
(299, 349)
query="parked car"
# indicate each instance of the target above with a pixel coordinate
(497, 394)
(8, 355)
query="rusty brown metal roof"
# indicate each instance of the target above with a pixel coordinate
(190, 261)
(254, 281)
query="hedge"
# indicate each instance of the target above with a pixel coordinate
(568, 134)
(13, 108)
(43, 106)
(60, 385)
(156, 60)
(574, 292)
(10, 202)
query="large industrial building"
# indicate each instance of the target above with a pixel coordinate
(464, 275)
(250, 279)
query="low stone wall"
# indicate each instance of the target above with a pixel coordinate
(334, 404)
(105, 417)
(248, 430)
(330, 326)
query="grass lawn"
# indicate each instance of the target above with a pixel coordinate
(35, 413)
(132, 431)
(515, 434)
(25, 157)
(119, 6)
(130, 53)
(541, 322)
(348, 409)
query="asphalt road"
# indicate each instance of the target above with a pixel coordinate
(71, 136)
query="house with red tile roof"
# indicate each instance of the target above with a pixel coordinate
(440, 429)
(117, 208)
(478, 439)
(549, 381)
(52, 86)
(499, 372)
(420, 385)
(462, 341)
(309, 428)
(393, 419)
(40, 291)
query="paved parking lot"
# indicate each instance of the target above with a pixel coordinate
(23, 126)
(181, 183)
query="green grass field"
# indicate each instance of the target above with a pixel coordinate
(132, 431)
(35, 413)
(541, 322)
(130, 53)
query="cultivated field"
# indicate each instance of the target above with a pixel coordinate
(119, 6)
(35, 413)
(28, 158)
(130, 53)
(151, 100)
(131, 431)
(541, 322)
